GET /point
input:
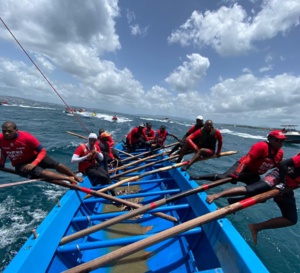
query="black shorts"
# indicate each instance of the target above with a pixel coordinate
(46, 163)
(257, 188)
(287, 204)
(245, 177)
(97, 175)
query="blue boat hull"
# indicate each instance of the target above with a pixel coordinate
(213, 247)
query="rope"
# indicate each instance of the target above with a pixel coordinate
(42, 74)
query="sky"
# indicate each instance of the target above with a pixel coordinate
(234, 62)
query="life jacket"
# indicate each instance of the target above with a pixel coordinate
(105, 147)
(82, 166)
(207, 140)
(161, 137)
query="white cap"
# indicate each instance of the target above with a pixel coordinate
(93, 135)
(200, 117)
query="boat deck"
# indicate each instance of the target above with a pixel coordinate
(213, 247)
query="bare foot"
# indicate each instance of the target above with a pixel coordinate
(79, 178)
(253, 233)
(72, 180)
(210, 198)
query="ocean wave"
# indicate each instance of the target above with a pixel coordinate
(242, 135)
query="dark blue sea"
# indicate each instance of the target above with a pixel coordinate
(23, 207)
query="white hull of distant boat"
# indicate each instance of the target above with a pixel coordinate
(293, 136)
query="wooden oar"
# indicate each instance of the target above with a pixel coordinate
(122, 152)
(143, 166)
(141, 210)
(149, 152)
(74, 134)
(171, 232)
(99, 194)
(135, 162)
(8, 185)
(134, 178)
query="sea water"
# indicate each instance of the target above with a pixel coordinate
(23, 207)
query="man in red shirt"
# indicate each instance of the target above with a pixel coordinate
(161, 136)
(29, 157)
(136, 137)
(262, 157)
(150, 133)
(88, 156)
(203, 142)
(288, 174)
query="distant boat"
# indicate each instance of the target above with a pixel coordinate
(94, 114)
(115, 118)
(70, 111)
(4, 103)
(80, 110)
(293, 136)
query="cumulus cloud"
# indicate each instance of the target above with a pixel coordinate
(135, 29)
(187, 75)
(231, 31)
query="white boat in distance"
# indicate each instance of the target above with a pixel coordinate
(293, 136)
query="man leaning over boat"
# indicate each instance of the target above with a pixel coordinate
(286, 178)
(262, 157)
(29, 157)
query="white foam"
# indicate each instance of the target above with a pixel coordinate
(243, 135)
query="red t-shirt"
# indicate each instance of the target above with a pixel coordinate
(134, 135)
(294, 182)
(258, 160)
(149, 133)
(19, 150)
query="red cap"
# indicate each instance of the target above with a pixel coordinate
(277, 134)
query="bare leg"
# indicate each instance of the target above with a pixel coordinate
(57, 176)
(65, 170)
(229, 192)
(183, 152)
(278, 222)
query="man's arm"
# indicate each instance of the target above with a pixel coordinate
(220, 142)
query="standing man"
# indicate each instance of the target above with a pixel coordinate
(29, 157)
(88, 156)
(203, 142)
(262, 157)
